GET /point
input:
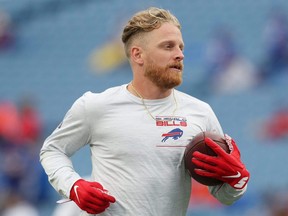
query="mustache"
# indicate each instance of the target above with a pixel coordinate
(178, 65)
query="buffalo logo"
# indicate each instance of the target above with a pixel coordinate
(174, 134)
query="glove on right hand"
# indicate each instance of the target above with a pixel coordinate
(90, 196)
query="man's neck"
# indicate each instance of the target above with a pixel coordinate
(147, 90)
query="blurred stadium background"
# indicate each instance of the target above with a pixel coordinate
(236, 59)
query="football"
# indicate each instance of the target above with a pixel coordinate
(198, 144)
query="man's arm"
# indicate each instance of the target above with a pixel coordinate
(226, 167)
(65, 140)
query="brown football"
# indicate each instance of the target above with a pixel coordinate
(198, 144)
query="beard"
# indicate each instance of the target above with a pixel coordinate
(164, 77)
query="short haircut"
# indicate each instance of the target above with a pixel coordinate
(146, 21)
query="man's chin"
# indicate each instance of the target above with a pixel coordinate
(165, 79)
(170, 84)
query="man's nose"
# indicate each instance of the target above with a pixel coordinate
(179, 55)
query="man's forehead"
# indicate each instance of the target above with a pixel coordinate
(167, 32)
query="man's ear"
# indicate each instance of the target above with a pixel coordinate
(137, 55)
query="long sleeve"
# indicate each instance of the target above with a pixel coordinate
(226, 194)
(66, 139)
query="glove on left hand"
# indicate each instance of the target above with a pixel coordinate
(226, 167)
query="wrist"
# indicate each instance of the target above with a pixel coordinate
(241, 181)
(71, 188)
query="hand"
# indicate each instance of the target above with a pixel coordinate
(226, 167)
(90, 196)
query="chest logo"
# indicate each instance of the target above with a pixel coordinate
(173, 134)
(166, 121)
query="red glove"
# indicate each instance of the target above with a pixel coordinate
(224, 167)
(90, 196)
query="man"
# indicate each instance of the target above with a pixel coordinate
(137, 133)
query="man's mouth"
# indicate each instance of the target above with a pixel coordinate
(178, 67)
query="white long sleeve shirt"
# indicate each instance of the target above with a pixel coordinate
(138, 159)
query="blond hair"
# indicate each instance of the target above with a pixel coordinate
(146, 21)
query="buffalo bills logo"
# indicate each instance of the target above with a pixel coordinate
(174, 134)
